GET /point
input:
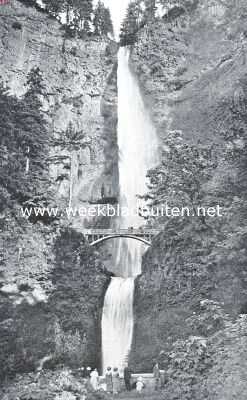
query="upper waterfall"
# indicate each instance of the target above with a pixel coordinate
(138, 145)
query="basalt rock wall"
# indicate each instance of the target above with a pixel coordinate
(43, 311)
(191, 64)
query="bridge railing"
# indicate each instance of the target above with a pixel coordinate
(121, 231)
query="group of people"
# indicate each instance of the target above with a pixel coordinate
(113, 380)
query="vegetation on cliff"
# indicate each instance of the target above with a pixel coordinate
(142, 12)
(198, 102)
(82, 18)
(213, 367)
(23, 146)
(65, 327)
(34, 283)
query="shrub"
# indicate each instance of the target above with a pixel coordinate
(17, 25)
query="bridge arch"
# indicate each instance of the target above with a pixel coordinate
(114, 236)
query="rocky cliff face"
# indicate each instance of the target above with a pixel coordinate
(41, 265)
(191, 65)
(189, 62)
(76, 74)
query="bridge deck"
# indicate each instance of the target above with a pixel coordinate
(136, 232)
(96, 236)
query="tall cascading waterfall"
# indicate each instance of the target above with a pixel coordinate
(138, 148)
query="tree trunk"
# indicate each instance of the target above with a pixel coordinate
(27, 160)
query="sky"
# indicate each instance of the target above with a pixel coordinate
(118, 9)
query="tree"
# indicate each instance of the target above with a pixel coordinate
(131, 24)
(72, 140)
(102, 20)
(181, 177)
(81, 16)
(78, 13)
(55, 7)
(35, 85)
(82, 10)
(24, 145)
(150, 8)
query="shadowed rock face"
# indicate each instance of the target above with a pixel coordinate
(76, 74)
(38, 268)
(191, 66)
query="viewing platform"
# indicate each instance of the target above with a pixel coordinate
(148, 380)
(144, 235)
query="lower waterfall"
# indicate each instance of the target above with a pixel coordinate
(138, 146)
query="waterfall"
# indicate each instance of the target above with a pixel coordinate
(138, 145)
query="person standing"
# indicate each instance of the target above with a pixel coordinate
(139, 384)
(82, 372)
(156, 373)
(94, 379)
(88, 372)
(127, 377)
(115, 381)
(108, 380)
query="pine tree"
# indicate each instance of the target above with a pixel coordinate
(151, 8)
(72, 140)
(131, 23)
(79, 16)
(108, 26)
(35, 84)
(83, 10)
(102, 20)
(24, 145)
(55, 7)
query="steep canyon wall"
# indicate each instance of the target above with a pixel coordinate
(191, 65)
(45, 268)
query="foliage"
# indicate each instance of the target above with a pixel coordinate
(25, 337)
(193, 259)
(23, 145)
(209, 318)
(141, 13)
(66, 326)
(72, 139)
(82, 10)
(150, 8)
(202, 368)
(82, 18)
(50, 385)
(69, 347)
(187, 362)
(228, 352)
(102, 20)
(181, 177)
(97, 396)
(131, 24)
(79, 280)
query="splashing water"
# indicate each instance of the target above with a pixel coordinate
(138, 146)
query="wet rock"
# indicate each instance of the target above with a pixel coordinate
(10, 289)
